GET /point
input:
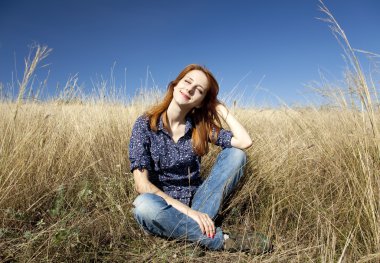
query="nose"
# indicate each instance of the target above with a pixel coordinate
(190, 89)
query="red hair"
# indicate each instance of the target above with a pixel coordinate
(205, 118)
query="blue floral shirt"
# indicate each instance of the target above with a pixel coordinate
(172, 167)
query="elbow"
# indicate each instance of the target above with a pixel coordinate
(137, 189)
(242, 143)
(247, 143)
(141, 189)
(142, 184)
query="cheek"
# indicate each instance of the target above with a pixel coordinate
(200, 100)
(176, 89)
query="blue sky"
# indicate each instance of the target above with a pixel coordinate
(271, 48)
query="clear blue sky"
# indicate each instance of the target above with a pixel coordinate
(279, 45)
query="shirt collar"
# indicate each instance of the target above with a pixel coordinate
(188, 124)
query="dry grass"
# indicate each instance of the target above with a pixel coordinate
(312, 181)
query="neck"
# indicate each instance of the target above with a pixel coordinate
(175, 114)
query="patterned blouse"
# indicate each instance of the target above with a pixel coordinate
(172, 167)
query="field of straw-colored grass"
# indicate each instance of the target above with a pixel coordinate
(312, 181)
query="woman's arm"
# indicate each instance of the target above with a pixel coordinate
(143, 185)
(240, 138)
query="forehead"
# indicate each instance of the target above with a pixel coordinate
(199, 77)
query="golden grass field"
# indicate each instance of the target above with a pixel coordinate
(312, 181)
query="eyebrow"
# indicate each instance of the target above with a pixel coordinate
(198, 84)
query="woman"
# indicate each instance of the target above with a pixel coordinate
(166, 147)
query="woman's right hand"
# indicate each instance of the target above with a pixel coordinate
(204, 221)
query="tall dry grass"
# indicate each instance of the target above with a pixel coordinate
(312, 181)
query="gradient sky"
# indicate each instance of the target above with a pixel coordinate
(270, 49)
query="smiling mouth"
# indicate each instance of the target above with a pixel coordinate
(185, 96)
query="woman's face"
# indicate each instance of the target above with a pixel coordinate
(191, 89)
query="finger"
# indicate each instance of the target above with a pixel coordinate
(212, 228)
(202, 226)
(209, 225)
(208, 228)
(205, 226)
(203, 229)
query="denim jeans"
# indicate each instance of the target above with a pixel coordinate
(159, 218)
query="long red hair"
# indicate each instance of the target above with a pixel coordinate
(206, 120)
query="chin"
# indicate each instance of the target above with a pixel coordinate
(180, 99)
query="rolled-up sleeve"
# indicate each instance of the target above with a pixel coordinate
(139, 145)
(224, 139)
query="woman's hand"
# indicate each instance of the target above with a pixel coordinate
(143, 185)
(204, 221)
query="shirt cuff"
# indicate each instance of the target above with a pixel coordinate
(140, 164)
(224, 138)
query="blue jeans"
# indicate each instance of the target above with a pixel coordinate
(159, 218)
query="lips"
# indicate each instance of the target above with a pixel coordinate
(185, 96)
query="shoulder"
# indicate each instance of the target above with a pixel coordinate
(142, 120)
(142, 123)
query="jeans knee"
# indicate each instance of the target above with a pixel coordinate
(148, 205)
(238, 156)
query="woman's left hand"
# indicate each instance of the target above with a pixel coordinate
(204, 221)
